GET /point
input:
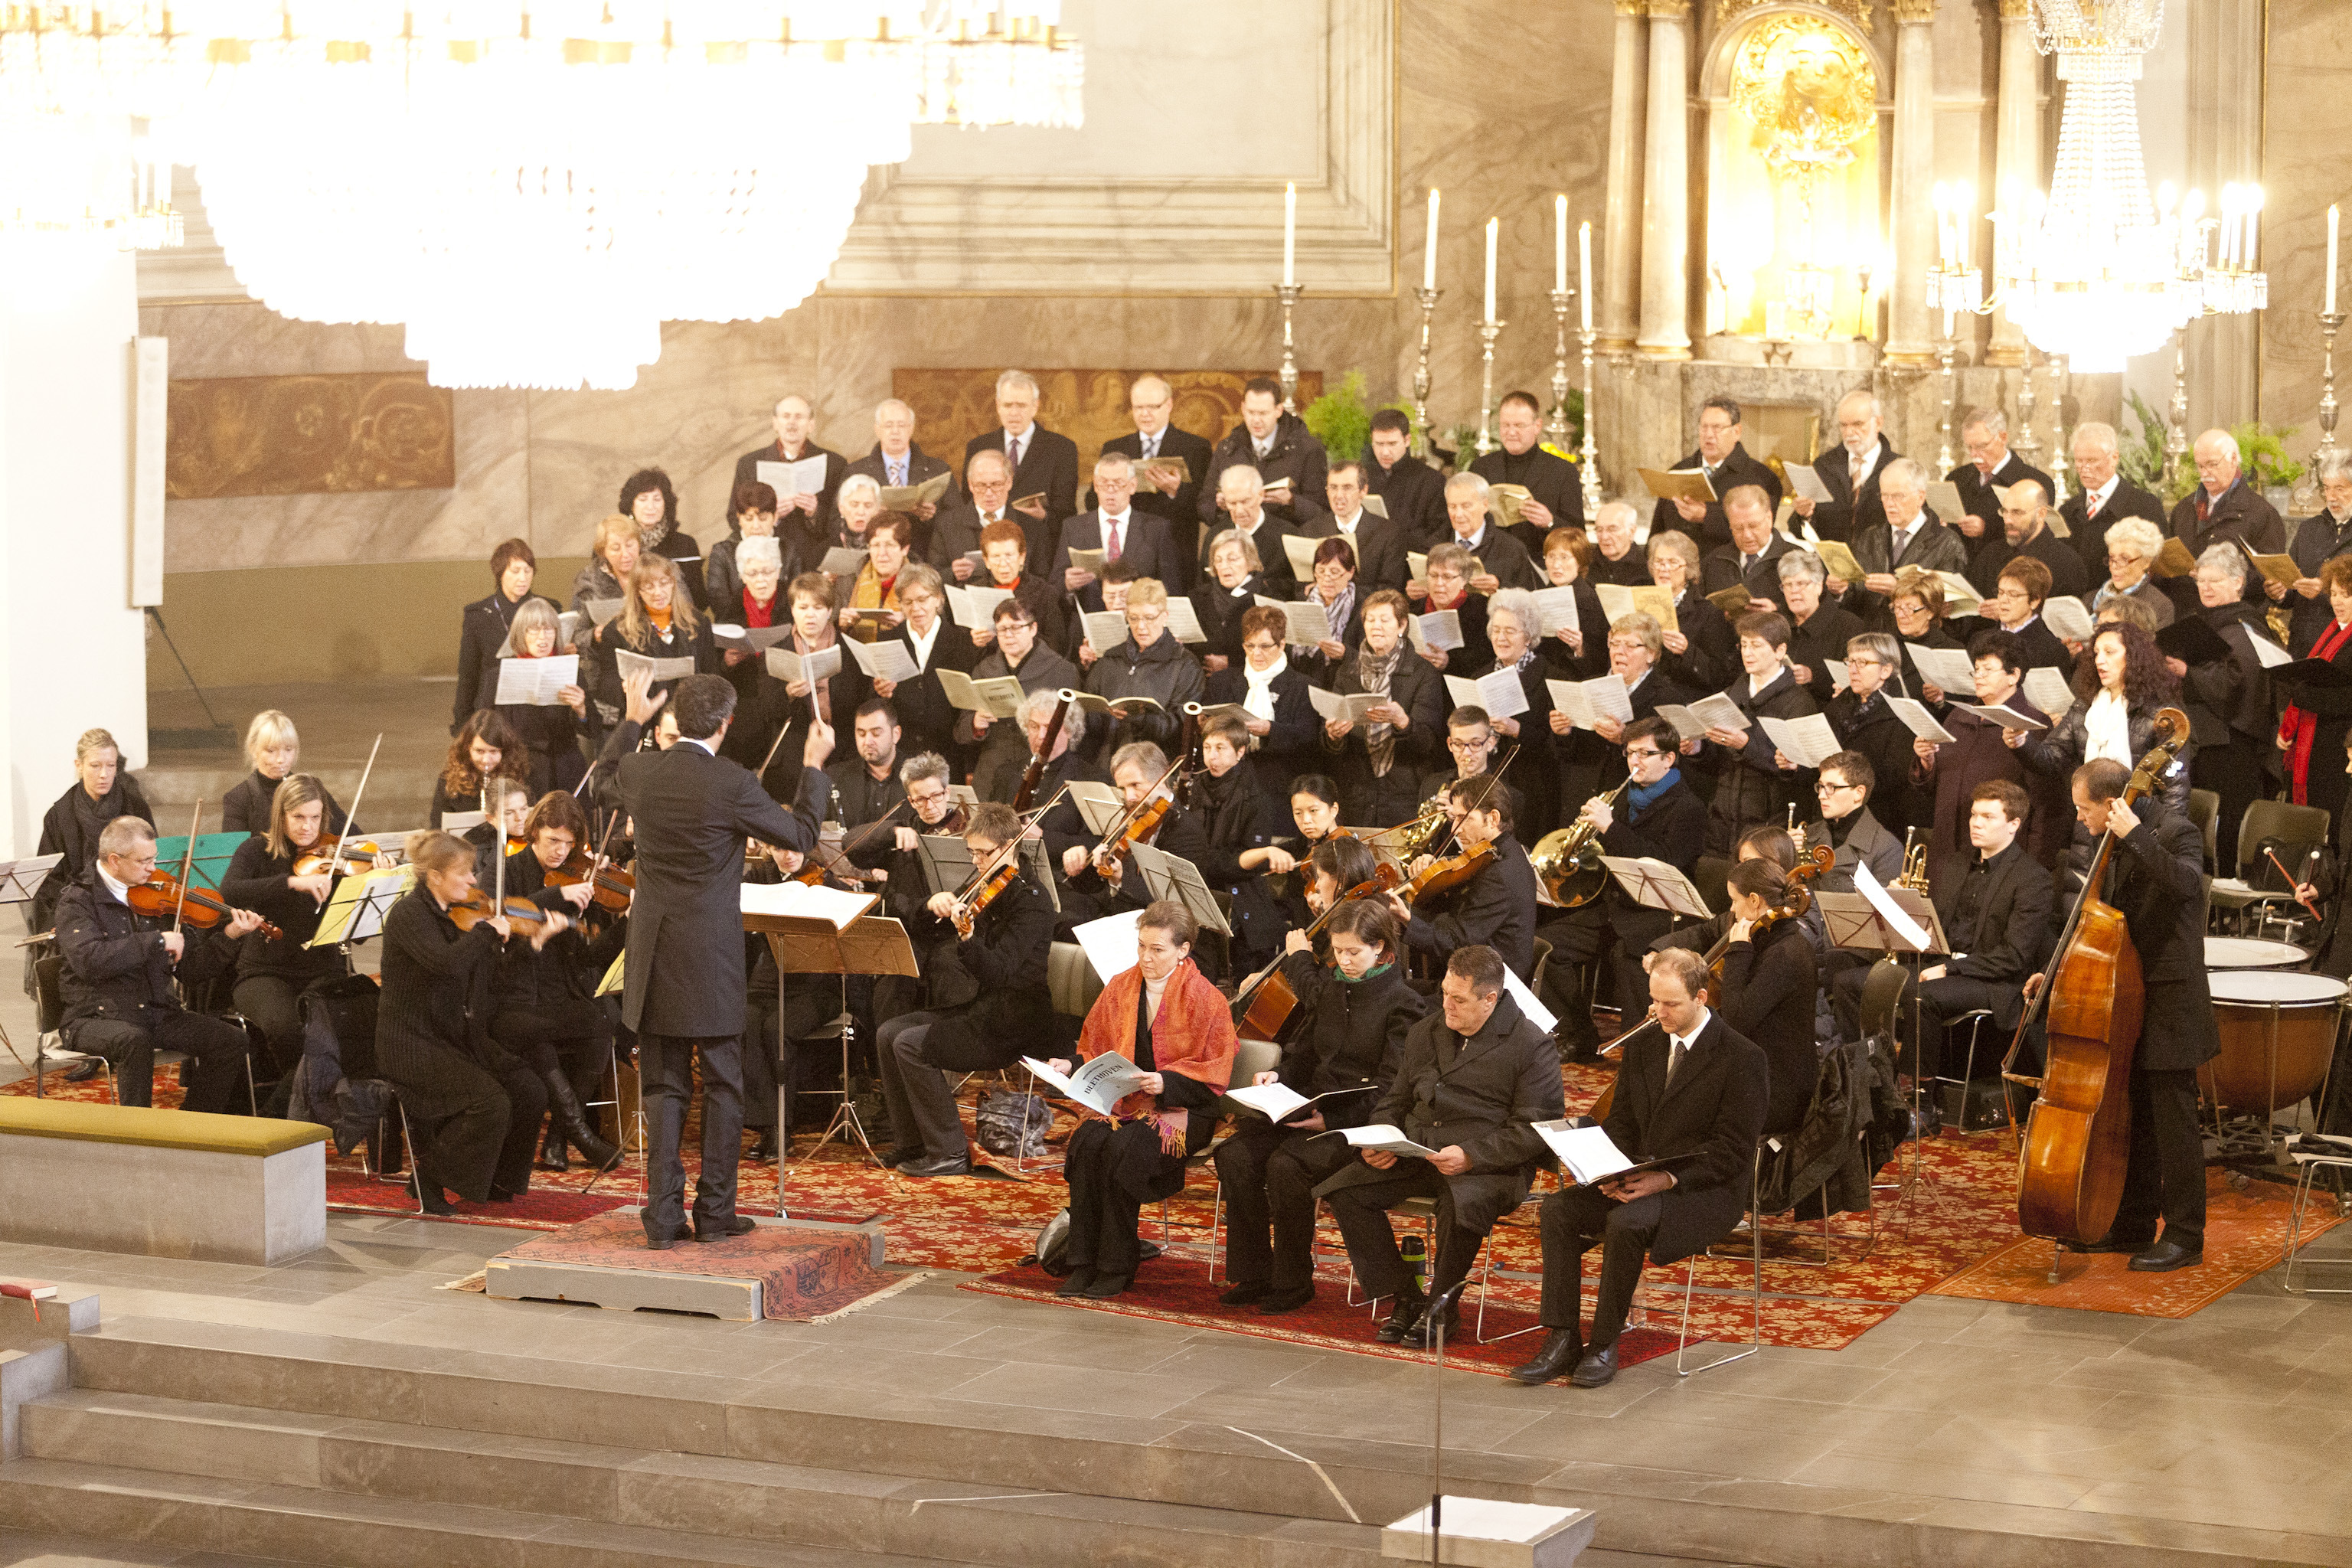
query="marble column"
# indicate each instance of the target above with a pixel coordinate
(1620, 234)
(1665, 180)
(1910, 338)
(68, 309)
(2017, 147)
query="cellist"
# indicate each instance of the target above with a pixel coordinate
(2157, 881)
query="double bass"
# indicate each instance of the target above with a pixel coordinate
(2077, 1138)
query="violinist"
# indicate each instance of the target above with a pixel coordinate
(1767, 988)
(1002, 748)
(485, 747)
(102, 792)
(1496, 908)
(487, 626)
(891, 853)
(657, 620)
(473, 1107)
(501, 832)
(1098, 875)
(271, 748)
(989, 999)
(1282, 726)
(1314, 811)
(547, 735)
(2157, 881)
(548, 1013)
(120, 969)
(1348, 1049)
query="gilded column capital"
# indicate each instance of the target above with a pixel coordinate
(1632, 7)
(1912, 13)
(1668, 10)
(2017, 10)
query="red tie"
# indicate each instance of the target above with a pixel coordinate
(1110, 551)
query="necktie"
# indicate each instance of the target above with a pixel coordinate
(1747, 564)
(1676, 1051)
(1150, 447)
(899, 470)
(1012, 448)
(1110, 545)
(1855, 471)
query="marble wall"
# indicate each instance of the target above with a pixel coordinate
(2307, 117)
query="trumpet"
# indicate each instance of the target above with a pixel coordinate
(1417, 838)
(1566, 860)
(1915, 863)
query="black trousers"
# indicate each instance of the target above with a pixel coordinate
(489, 1140)
(1113, 1172)
(2165, 1175)
(1939, 1002)
(575, 1038)
(916, 1059)
(273, 1005)
(1574, 1220)
(772, 1029)
(666, 1070)
(1269, 1176)
(216, 1051)
(1467, 1207)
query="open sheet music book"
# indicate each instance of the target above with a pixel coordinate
(1588, 1154)
(1097, 1085)
(1280, 1102)
(1382, 1138)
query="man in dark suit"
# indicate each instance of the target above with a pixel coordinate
(1279, 447)
(1726, 464)
(1378, 541)
(684, 996)
(2025, 531)
(804, 520)
(1117, 527)
(1506, 560)
(1413, 491)
(1616, 558)
(1557, 495)
(1985, 433)
(2157, 881)
(1154, 403)
(896, 461)
(1473, 1078)
(1912, 536)
(865, 784)
(2318, 539)
(2222, 506)
(1692, 1092)
(1850, 471)
(1753, 556)
(2104, 498)
(1044, 465)
(1848, 826)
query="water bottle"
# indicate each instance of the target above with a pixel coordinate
(1416, 1259)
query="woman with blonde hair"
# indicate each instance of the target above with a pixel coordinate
(657, 620)
(271, 748)
(102, 791)
(612, 557)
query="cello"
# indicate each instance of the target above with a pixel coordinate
(2077, 1137)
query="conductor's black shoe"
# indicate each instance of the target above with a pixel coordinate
(1597, 1368)
(84, 1070)
(736, 1224)
(2164, 1257)
(1401, 1318)
(953, 1165)
(1079, 1282)
(897, 1157)
(662, 1241)
(2108, 1244)
(1559, 1357)
(1244, 1293)
(1423, 1335)
(1108, 1285)
(1288, 1301)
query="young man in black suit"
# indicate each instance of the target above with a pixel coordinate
(1985, 434)
(896, 461)
(1848, 471)
(1152, 403)
(1279, 447)
(1378, 541)
(1726, 464)
(1690, 1088)
(1119, 528)
(1557, 493)
(692, 810)
(1413, 492)
(806, 521)
(1044, 464)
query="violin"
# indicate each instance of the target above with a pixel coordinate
(479, 906)
(614, 887)
(997, 880)
(1267, 1008)
(1446, 875)
(164, 897)
(1137, 823)
(357, 858)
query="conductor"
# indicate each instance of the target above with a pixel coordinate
(685, 981)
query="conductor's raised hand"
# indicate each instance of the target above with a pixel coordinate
(637, 689)
(819, 745)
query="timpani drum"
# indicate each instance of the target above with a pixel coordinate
(2246, 952)
(2278, 1037)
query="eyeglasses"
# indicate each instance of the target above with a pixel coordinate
(1831, 786)
(1479, 745)
(1009, 626)
(1146, 617)
(1642, 755)
(1260, 646)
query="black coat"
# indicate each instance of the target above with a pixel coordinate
(1481, 1094)
(1713, 529)
(1821, 638)
(2089, 534)
(256, 880)
(2229, 699)
(1751, 788)
(1182, 510)
(68, 830)
(1006, 956)
(1415, 494)
(115, 963)
(2157, 880)
(1496, 910)
(1220, 610)
(1979, 754)
(1379, 545)
(922, 467)
(1235, 817)
(483, 628)
(1553, 481)
(1714, 1109)
(859, 797)
(1144, 544)
(1166, 672)
(1977, 500)
(1535, 773)
(1672, 828)
(436, 998)
(1504, 555)
(600, 671)
(2068, 578)
(1353, 1039)
(2241, 515)
(1290, 748)
(1370, 801)
(572, 962)
(1932, 547)
(1720, 570)
(1296, 456)
(692, 812)
(1997, 917)
(924, 711)
(1850, 514)
(2055, 754)
(1049, 466)
(802, 537)
(1870, 727)
(1000, 753)
(1713, 657)
(1767, 997)
(2318, 541)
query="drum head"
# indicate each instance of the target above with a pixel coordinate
(2246, 952)
(2261, 987)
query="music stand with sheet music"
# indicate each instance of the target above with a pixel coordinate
(356, 909)
(20, 880)
(214, 851)
(1863, 921)
(1655, 885)
(1172, 877)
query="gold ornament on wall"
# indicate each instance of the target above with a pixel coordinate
(1855, 11)
(1811, 92)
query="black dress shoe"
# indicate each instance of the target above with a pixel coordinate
(83, 1071)
(1400, 1319)
(764, 1150)
(2109, 1244)
(663, 1240)
(1106, 1286)
(1597, 1368)
(1559, 1355)
(1423, 1335)
(735, 1225)
(897, 1157)
(1248, 1290)
(2164, 1257)
(1288, 1301)
(1078, 1283)
(953, 1165)
(433, 1199)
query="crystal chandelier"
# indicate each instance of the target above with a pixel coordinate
(533, 193)
(2095, 270)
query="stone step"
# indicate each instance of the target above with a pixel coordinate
(370, 1463)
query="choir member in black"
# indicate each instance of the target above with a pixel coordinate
(1819, 629)
(813, 598)
(1711, 1118)
(759, 602)
(1618, 559)
(1336, 592)
(484, 624)
(123, 971)
(1496, 908)
(2025, 532)
(1005, 551)
(1278, 447)
(1851, 471)
(1000, 749)
(1701, 651)
(1751, 784)
(806, 517)
(2118, 691)
(1726, 463)
(1981, 752)
(1513, 626)
(1658, 817)
(101, 792)
(1150, 663)
(1447, 584)
(1865, 724)
(2156, 877)
(1751, 560)
(1004, 1008)
(1039, 462)
(1571, 656)
(1235, 580)
(2224, 507)
(2228, 699)
(657, 621)
(2016, 607)
(1557, 494)
(1413, 492)
(896, 461)
(1918, 610)
(922, 704)
(1282, 725)
(1472, 1077)
(648, 495)
(2103, 497)
(1593, 762)
(1505, 558)
(1352, 1022)
(1246, 833)
(1252, 516)
(865, 783)
(2314, 718)
(1165, 1017)
(1381, 758)
(752, 516)
(274, 972)
(472, 1106)
(1472, 745)
(1912, 540)
(548, 1013)
(547, 733)
(613, 557)
(2324, 536)
(1115, 528)
(1984, 432)
(485, 747)
(1769, 982)
(1157, 449)
(271, 748)
(1376, 545)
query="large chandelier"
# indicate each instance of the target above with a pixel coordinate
(532, 192)
(2095, 270)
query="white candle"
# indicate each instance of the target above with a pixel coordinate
(1429, 246)
(1290, 232)
(2331, 258)
(1493, 229)
(1559, 245)
(1584, 271)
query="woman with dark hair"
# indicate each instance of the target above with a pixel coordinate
(1981, 751)
(101, 792)
(657, 621)
(1332, 586)
(648, 496)
(1382, 755)
(485, 625)
(1272, 692)
(2118, 691)
(484, 748)
(550, 732)
(1767, 994)
(2311, 730)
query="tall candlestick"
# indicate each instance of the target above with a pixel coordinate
(1559, 245)
(2330, 323)
(2330, 308)
(1487, 332)
(1584, 282)
(1556, 428)
(1288, 375)
(1289, 233)
(1493, 231)
(1591, 450)
(1427, 299)
(1429, 246)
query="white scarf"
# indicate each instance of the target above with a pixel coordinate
(1259, 700)
(2106, 730)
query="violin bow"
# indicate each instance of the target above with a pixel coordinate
(1494, 777)
(1127, 818)
(187, 865)
(361, 794)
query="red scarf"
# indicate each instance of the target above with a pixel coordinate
(756, 614)
(2296, 727)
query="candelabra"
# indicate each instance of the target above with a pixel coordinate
(1556, 428)
(1953, 290)
(1591, 450)
(2058, 431)
(1944, 357)
(1289, 294)
(2330, 323)
(1487, 332)
(2027, 445)
(2176, 425)
(1428, 301)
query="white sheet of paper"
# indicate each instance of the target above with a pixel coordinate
(1097, 1085)
(1944, 500)
(1272, 1100)
(1384, 1138)
(2048, 689)
(843, 562)
(601, 610)
(1888, 910)
(1945, 668)
(534, 682)
(1330, 705)
(998, 696)
(836, 906)
(1110, 943)
(1688, 726)
(1545, 1018)
(786, 665)
(1183, 622)
(1805, 484)
(1616, 601)
(1609, 697)
(805, 478)
(1915, 715)
(1808, 742)
(628, 664)
(1301, 550)
(749, 639)
(2068, 619)
(1498, 691)
(1661, 880)
(1106, 629)
(1719, 712)
(1839, 675)
(1568, 697)
(2007, 717)
(1307, 624)
(1440, 629)
(1588, 1152)
(568, 624)
(2268, 653)
(975, 606)
(1556, 610)
(884, 660)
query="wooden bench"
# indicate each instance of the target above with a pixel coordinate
(168, 1184)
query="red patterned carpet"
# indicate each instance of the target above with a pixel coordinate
(805, 1275)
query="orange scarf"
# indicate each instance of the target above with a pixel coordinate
(1192, 1035)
